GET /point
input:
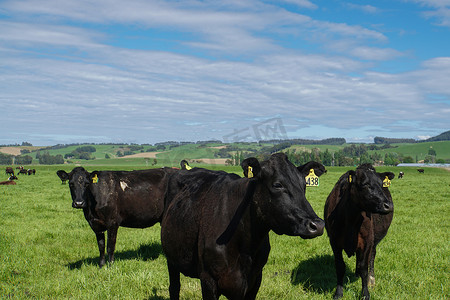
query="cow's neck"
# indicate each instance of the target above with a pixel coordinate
(254, 229)
(350, 219)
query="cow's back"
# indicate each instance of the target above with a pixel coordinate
(130, 198)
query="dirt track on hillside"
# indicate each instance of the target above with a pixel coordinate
(10, 150)
(142, 155)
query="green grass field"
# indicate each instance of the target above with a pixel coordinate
(48, 251)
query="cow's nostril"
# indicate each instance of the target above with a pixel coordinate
(387, 206)
(312, 227)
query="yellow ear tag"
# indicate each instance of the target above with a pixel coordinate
(95, 179)
(312, 179)
(188, 167)
(250, 173)
(386, 182)
(350, 178)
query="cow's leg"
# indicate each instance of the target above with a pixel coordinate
(251, 294)
(362, 266)
(174, 278)
(209, 287)
(101, 247)
(340, 272)
(112, 235)
(371, 266)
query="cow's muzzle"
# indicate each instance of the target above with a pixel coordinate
(314, 228)
(80, 204)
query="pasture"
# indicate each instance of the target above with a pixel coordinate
(48, 251)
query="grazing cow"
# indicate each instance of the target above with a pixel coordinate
(9, 171)
(421, 170)
(358, 213)
(31, 171)
(8, 182)
(23, 171)
(216, 227)
(12, 177)
(400, 175)
(110, 199)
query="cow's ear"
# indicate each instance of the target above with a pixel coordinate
(251, 167)
(94, 177)
(351, 176)
(318, 168)
(185, 165)
(62, 175)
(389, 175)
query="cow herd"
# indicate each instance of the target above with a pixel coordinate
(10, 171)
(215, 225)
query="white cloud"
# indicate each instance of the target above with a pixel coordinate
(71, 76)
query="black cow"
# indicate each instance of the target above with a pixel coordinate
(421, 170)
(358, 213)
(23, 171)
(400, 175)
(217, 226)
(110, 199)
(9, 171)
(31, 171)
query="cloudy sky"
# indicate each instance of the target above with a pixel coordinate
(144, 71)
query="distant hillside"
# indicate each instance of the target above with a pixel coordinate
(384, 140)
(445, 136)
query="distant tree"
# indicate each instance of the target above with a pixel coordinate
(23, 160)
(27, 144)
(429, 159)
(47, 159)
(432, 152)
(90, 149)
(327, 158)
(408, 159)
(107, 156)
(5, 159)
(154, 162)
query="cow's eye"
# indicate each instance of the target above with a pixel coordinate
(277, 185)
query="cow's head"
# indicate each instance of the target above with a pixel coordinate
(280, 195)
(367, 189)
(79, 181)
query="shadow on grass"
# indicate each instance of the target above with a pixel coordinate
(318, 274)
(144, 252)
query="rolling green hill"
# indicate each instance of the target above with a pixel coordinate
(217, 153)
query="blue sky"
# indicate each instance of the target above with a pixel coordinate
(143, 71)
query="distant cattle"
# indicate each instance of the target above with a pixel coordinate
(358, 213)
(8, 182)
(110, 199)
(217, 225)
(421, 170)
(31, 171)
(400, 175)
(12, 177)
(9, 171)
(23, 171)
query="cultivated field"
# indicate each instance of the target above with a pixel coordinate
(48, 251)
